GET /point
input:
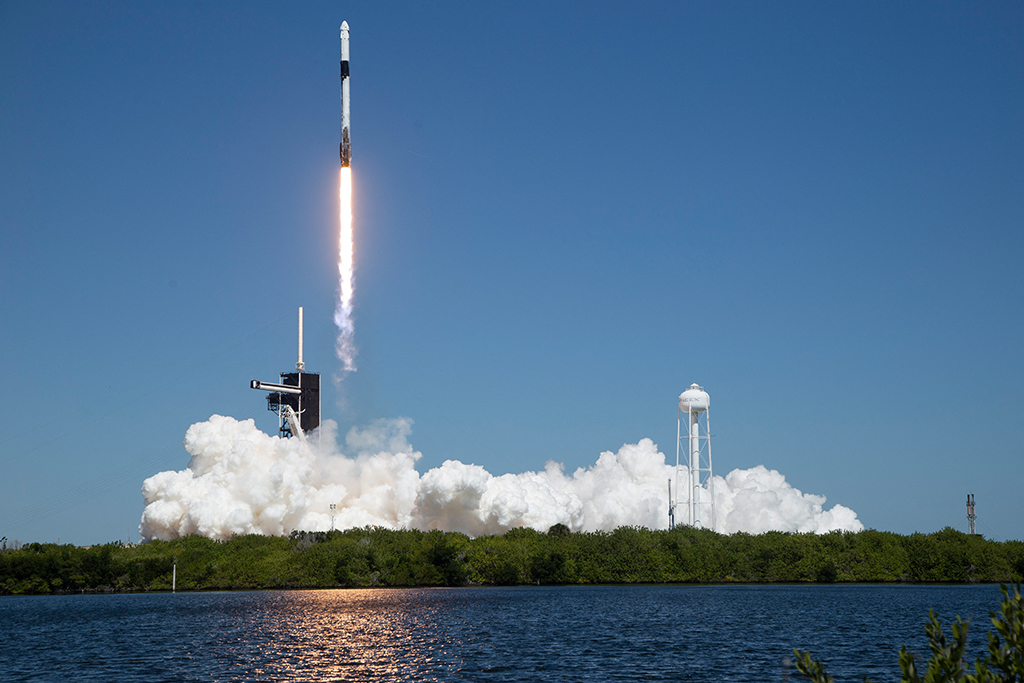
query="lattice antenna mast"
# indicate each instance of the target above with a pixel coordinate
(971, 517)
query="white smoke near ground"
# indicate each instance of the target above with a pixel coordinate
(243, 481)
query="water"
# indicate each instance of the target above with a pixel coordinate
(605, 633)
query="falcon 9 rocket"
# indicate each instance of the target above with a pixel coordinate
(346, 150)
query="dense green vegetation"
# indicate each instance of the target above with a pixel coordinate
(1004, 662)
(383, 557)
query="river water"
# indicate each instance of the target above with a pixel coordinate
(600, 633)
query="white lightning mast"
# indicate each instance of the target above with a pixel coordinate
(694, 477)
(300, 366)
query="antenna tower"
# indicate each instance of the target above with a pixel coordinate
(971, 517)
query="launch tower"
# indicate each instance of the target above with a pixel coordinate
(296, 400)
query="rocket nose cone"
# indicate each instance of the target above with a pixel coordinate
(344, 26)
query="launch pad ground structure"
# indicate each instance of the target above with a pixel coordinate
(296, 400)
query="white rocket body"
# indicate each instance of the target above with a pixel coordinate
(346, 148)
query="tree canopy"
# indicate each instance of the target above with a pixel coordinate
(374, 556)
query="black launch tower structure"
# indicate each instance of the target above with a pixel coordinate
(296, 400)
(305, 403)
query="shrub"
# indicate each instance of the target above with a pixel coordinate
(1004, 662)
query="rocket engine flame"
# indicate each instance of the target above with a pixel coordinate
(345, 346)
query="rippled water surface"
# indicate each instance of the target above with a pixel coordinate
(658, 633)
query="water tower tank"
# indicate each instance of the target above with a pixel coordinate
(694, 399)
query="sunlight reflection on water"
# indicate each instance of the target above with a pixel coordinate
(354, 635)
(334, 635)
(707, 633)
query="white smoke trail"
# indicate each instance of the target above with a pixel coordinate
(345, 346)
(241, 480)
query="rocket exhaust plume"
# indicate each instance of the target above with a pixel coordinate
(345, 346)
(242, 481)
(343, 313)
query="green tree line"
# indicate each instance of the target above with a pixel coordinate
(385, 557)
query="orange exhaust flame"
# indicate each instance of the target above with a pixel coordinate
(345, 346)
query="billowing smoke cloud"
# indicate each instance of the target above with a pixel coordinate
(241, 480)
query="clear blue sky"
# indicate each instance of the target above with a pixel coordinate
(565, 214)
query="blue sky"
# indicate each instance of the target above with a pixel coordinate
(565, 214)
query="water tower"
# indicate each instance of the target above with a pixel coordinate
(694, 491)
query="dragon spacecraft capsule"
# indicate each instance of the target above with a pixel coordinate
(346, 149)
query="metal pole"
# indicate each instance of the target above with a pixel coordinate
(694, 465)
(300, 366)
(679, 418)
(671, 507)
(711, 474)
